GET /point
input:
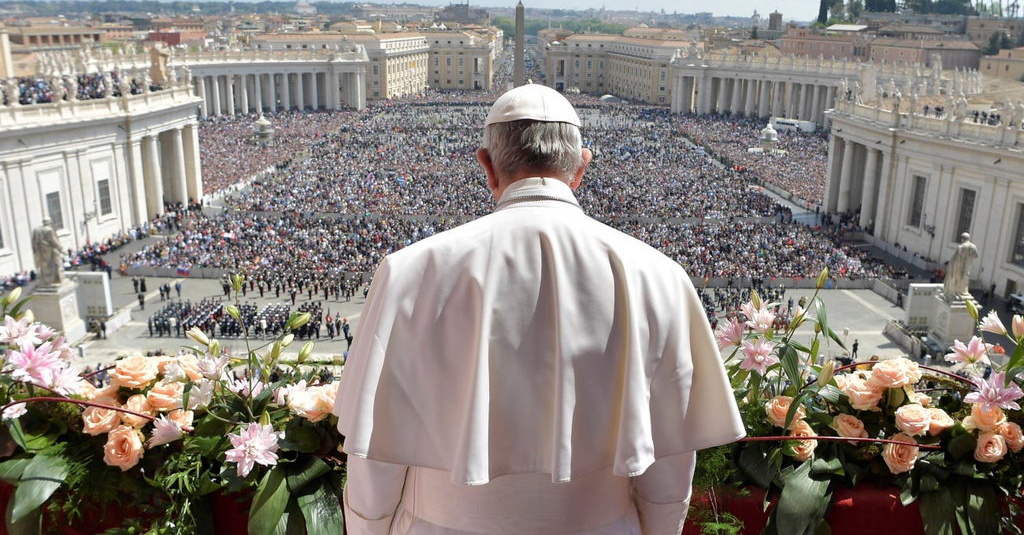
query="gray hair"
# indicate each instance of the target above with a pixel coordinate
(527, 145)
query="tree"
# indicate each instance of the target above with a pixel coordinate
(992, 47)
(823, 6)
(753, 33)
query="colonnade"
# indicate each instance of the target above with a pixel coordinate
(706, 93)
(241, 93)
(165, 169)
(858, 178)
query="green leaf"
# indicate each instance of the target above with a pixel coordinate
(301, 437)
(30, 441)
(269, 503)
(302, 475)
(11, 470)
(791, 364)
(30, 524)
(291, 522)
(755, 463)
(982, 507)
(321, 511)
(43, 475)
(803, 502)
(831, 394)
(1016, 359)
(937, 512)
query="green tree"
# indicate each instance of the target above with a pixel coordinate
(992, 47)
(753, 33)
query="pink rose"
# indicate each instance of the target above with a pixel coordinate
(135, 371)
(1011, 432)
(900, 457)
(894, 373)
(106, 395)
(862, 395)
(983, 419)
(123, 448)
(97, 420)
(136, 403)
(940, 421)
(803, 449)
(991, 448)
(913, 419)
(778, 407)
(849, 426)
(922, 399)
(166, 396)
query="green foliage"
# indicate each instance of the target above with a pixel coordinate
(533, 26)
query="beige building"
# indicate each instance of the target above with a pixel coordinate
(808, 42)
(980, 29)
(462, 59)
(627, 67)
(48, 37)
(953, 53)
(1008, 64)
(398, 61)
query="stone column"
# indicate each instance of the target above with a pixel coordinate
(215, 95)
(286, 91)
(193, 170)
(154, 179)
(314, 86)
(736, 94)
(779, 89)
(883, 210)
(179, 190)
(201, 93)
(867, 198)
(751, 92)
(844, 177)
(276, 81)
(258, 93)
(816, 106)
(300, 91)
(763, 109)
(242, 84)
(137, 182)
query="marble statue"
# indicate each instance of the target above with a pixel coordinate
(958, 271)
(47, 252)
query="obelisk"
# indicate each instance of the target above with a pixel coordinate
(519, 56)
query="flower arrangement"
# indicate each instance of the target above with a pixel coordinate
(166, 433)
(949, 437)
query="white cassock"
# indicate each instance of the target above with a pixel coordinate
(531, 372)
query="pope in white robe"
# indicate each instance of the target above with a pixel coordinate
(533, 371)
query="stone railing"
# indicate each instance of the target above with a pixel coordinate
(348, 53)
(950, 126)
(17, 117)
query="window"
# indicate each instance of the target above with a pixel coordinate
(448, 62)
(1017, 255)
(103, 192)
(376, 70)
(917, 202)
(963, 223)
(53, 209)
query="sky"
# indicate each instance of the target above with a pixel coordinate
(797, 10)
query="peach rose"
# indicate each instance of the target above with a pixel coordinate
(913, 419)
(862, 395)
(922, 399)
(803, 449)
(894, 373)
(1011, 432)
(137, 403)
(849, 426)
(189, 363)
(106, 395)
(166, 396)
(135, 371)
(313, 404)
(991, 448)
(97, 420)
(983, 419)
(778, 407)
(940, 421)
(123, 448)
(162, 361)
(181, 417)
(900, 457)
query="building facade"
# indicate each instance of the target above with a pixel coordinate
(1007, 64)
(94, 167)
(919, 182)
(630, 68)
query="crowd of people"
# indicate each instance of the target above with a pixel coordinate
(35, 90)
(348, 188)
